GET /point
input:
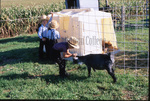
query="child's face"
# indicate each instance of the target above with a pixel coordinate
(44, 22)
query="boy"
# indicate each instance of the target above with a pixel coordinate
(52, 36)
(43, 29)
(64, 47)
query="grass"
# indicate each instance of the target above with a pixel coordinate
(134, 43)
(23, 76)
(139, 36)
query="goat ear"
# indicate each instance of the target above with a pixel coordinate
(81, 57)
(78, 57)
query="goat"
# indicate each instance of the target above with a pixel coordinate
(98, 62)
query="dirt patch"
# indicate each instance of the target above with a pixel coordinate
(1, 72)
(1, 67)
(73, 69)
(131, 59)
(6, 91)
(127, 95)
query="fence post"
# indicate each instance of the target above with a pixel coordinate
(123, 18)
(147, 12)
(116, 20)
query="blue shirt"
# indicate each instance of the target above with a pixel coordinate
(53, 34)
(43, 30)
(61, 47)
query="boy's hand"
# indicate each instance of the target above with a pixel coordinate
(43, 39)
(51, 12)
(74, 55)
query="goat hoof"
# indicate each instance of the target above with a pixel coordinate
(115, 81)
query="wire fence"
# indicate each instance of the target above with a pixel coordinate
(133, 29)
(131, 26)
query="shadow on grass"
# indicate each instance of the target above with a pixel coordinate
(128, 59)
(47, 78)
(21, 56)
(20, 39)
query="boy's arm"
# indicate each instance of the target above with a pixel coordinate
(58, 35)
(40, 33)
(68, 54)
(49, 20)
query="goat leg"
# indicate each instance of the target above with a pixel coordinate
(94, 69)
(89, 71)
(111, 73)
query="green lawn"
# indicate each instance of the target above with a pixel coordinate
(23, 76)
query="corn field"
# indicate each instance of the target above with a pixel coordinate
(18, 19)
(118, 3)
(15, 20)
(130, 5)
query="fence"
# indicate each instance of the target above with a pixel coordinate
(131, 27)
